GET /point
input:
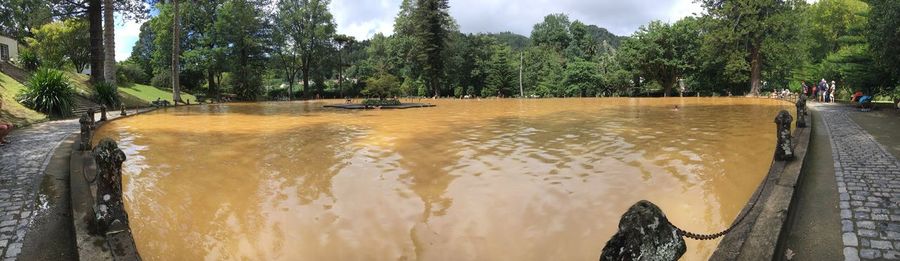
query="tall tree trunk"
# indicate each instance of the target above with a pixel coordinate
(340, 73)
(212, 89)
(667, 86)
(292, 78)
(109, 43)
(95, 21)
(306, 76)
(176, 44)
(755, 70)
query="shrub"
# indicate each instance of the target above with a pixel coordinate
(28, 60)
(379, 102)
(106, 94)
(131, 73)
(48, 91)
(381, 86)
(162, 80)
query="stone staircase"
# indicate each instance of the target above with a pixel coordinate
(82, 104)
(14, 72)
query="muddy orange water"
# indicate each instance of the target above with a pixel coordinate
(466, 180)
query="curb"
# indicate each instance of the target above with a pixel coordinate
(758, 237)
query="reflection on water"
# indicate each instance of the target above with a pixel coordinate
(466, 180)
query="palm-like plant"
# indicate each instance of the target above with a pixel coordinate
(48, 91)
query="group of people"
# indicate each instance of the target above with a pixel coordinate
(823, 91)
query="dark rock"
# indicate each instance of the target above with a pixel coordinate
(110, 210)
(644, 234)
(784, 149)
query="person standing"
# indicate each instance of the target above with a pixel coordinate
(804, 88)
(820, 91)
(831, 90)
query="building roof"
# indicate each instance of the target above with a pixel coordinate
(8, 37)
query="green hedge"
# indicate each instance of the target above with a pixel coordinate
(378, 102)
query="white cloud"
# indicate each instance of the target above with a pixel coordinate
(363, 19)
(127, 32)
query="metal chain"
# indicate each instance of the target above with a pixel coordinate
(697, 236)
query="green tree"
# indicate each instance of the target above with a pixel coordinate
(583, 79)
(433, 27)
(661, 52)
(884, 38)
(63, 42)
(242, 27)
(748, 33)
(500, 79)
(308, 27)
(142, 52)
(553, 31)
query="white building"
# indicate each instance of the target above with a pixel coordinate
(9, 48)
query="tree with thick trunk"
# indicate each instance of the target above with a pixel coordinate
(755, 70)
(176, 42)
(95, 19)
(109, 43)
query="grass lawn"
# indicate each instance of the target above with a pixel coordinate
(12, 111)
(134, 95)
(149, 93)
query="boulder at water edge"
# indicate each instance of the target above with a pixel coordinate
(644, 234)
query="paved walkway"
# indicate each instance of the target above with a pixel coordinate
(868, 182)
(22, 165)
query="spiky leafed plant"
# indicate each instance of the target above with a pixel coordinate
(107, 94)
(48, 91)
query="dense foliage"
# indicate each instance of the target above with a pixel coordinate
(28, 60)
(106, 94)
(48, 91)
(286, 49)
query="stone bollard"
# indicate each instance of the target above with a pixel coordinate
(784, 149)
(103, 112)
(110, 210)
(86, 124)
(90, 112)
(644, 234)
(801, 112)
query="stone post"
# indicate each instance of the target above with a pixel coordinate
(110, 210)
(86, 125)
(644, 234)
(102, 112)
(90, 112)
(801, 112)
(784, 149)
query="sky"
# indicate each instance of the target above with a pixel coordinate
(364, 18)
